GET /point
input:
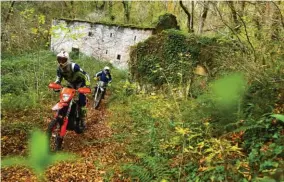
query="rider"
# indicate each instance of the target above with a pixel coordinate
(75, 76)
(105, 76)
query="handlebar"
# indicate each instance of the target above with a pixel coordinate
(56, 86)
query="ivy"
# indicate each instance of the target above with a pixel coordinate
(171, 56)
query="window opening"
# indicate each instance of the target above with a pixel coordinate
(118, 57)
(91, 34)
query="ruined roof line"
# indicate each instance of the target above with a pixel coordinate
(106, 24)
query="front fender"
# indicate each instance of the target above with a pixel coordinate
(59, 106)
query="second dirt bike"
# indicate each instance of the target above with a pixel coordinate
(98, 93)
(68, 115)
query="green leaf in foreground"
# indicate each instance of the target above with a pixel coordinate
(39, 158)
(278, 116)
(229, 89)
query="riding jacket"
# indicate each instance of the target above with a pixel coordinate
(73, 74)
(105, 76)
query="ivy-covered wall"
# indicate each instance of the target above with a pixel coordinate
(172, 56)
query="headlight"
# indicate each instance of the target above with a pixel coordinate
(65, 97)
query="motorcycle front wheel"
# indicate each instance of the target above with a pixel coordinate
(79, 128)
(53, 134)
(97, 98)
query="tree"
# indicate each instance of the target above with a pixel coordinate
(189, 17)
(8, 17)
(234, 15)
(110, 7)
(203, 16)
(276, 22)
(126, 7)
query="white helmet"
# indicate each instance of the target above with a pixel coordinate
(62, 58)
(106, 68)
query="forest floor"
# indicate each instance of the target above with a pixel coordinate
(98, 153)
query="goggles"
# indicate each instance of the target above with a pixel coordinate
(61, 59)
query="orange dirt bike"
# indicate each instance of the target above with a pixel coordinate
(67, 115)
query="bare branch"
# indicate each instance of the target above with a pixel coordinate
(281, 16)
(247, 36)
(232, 30)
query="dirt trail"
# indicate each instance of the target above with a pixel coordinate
(96, 151)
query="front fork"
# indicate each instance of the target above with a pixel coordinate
(96, 92)
(65, 120)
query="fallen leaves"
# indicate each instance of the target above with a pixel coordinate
(98, 153)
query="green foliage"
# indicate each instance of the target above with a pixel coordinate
(221, 104)
(260, 98)
(25, 79)
(13, 84)
(25, 100)
(39, 156)
(192, 137)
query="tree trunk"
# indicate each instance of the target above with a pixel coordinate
(110, 6)
(203, 16)
(256, 20)
(126, 11)
(189, 19)
(100, 6)
(192, 13)
(7, 17)
(243, 5)
(234, 16)
(276, 22)
(73, 10)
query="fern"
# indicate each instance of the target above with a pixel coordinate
(148, 169)
(136, 172)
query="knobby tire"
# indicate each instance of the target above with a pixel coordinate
(97, 98)
(54, 142)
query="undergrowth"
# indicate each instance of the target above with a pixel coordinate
(172, 139)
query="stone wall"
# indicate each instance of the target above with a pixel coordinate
(105, 42)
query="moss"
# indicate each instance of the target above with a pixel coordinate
(70, 21)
